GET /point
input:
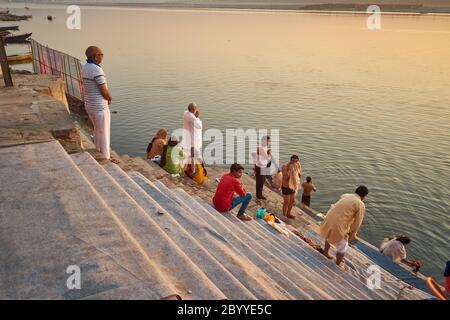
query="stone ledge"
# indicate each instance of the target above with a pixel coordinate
(28, 114)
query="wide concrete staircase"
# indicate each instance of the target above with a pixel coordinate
(137, 239)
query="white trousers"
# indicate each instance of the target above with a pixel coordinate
(102, 129)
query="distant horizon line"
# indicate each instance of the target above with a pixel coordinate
(325, 9)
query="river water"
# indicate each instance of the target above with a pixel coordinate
(358, 106)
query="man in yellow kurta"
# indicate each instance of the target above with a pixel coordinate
(343, 221)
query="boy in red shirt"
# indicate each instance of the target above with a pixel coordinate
(224, 199)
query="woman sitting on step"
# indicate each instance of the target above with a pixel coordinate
(156, 147)
(173, 157)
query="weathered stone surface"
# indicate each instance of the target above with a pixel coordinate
(28, 116)
(51, 218)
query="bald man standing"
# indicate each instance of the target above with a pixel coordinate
(192, 132)
(97, 99)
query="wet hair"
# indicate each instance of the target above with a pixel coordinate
(294, 157)
(308, 179)
(235, 167)
(362, 191)
(403, 239)
(265, 138)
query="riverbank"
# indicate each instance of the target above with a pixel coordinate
(69, 190)
(337, 8)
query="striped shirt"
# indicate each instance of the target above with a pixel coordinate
(93, 78)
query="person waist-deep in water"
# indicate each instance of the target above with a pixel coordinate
(343, 221)
(308, 189)
(172, 157)
(225, 198)
(97, 99)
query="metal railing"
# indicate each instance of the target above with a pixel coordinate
(54, 62)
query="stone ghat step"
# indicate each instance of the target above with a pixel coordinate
(312, 268)
(254, 252)
(255, 279)
(396, 287)
(153, 243)
(303, 255)
(297, 271)
(233, 231)
(320, 270)
(52, 218)
(357, 261)
(213, 269)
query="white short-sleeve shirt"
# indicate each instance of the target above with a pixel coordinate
(93, 78)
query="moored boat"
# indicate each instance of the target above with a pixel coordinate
(20, 58)
(21, 38)
(6, 28)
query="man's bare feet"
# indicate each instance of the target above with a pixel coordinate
(343, 266)
(290, 216)
(327, 255)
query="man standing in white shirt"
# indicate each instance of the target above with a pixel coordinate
(262, 165)
(192, 132)
(97, 99)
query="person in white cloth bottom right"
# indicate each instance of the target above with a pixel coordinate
(394, 247)
(97, 99)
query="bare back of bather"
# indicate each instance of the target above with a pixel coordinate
(308, 188)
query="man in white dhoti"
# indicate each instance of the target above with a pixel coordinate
(192, 133)
(343, 221)
(97, 99)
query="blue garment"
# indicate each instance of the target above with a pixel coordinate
(447, 270)
(92, 61)
(245, 200)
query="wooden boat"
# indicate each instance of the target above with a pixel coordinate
(21, 38)
(20, 58)
(6, 28)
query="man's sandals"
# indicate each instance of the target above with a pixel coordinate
(244, 217)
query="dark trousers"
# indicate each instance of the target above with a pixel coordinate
(260, 180)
